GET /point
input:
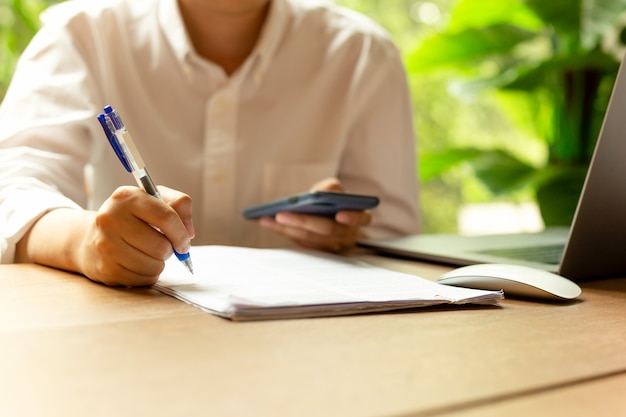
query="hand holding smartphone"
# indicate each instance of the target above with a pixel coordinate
(321, 203)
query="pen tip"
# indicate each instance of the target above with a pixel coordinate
(189, 265)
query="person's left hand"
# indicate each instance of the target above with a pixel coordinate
(320, 232)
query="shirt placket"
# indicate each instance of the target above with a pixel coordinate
(219, 164)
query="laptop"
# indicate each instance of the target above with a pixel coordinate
(594, 246)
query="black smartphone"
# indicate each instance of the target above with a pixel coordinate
(321, 203)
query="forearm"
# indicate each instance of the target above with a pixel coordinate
(54, 240)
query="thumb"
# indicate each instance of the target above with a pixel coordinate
(328, 184)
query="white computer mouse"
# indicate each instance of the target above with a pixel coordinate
(514, 280)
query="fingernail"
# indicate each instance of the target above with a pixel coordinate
(266, 222)
(343, 217)
(284, 217)
(186, 248)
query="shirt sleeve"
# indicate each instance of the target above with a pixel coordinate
(381, 154)
(45, 135)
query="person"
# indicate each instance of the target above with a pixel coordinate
(231, 103)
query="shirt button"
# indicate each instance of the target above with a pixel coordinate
(222, 103)
(188, 72)
(258, 77)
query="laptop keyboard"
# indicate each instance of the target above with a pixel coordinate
(549, 254)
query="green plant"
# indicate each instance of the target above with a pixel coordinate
(18, 23)
(549, 56)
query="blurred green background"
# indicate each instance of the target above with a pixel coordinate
(508, 94)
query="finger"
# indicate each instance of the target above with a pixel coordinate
(306, 238)
(115, 262)
(319, 225)
(148, 240)
(123, 274)
(117, 222)
(328, 184)
(311, 240)
(182, 204)
(324, 235)
(166, 219)
(354, 218)
(156, 213)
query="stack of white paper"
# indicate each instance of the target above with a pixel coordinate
(256, 284)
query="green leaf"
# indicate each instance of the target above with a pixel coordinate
(481, 13)
(562, 15)
(19, 20)
(531, 77)
(434, 164)
(466, 47)
(557, 195)
(502, 172)
(586, 20)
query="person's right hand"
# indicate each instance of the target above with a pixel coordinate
(122, 245)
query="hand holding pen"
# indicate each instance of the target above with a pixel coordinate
(131, 159)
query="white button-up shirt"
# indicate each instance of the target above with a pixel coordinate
(323, 94)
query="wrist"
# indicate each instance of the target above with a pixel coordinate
(55, 239)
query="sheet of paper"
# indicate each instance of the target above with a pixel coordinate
(254, 284)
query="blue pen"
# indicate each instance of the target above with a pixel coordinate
(125, 149)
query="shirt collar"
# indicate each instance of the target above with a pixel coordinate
(173, 28)
(271, 34)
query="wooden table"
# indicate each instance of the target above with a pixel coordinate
(70, 347)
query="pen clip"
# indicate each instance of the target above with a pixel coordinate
(114, 117)
(114, 142)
